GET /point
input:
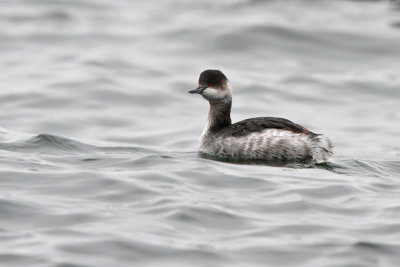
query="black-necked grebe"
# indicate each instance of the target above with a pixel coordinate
(264, 138)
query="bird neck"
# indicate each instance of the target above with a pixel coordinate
(219, 115)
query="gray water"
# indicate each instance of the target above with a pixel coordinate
(98, 161)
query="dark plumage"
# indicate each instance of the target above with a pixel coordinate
(212, 78)
(245, 127)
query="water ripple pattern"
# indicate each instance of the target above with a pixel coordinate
(98, 137)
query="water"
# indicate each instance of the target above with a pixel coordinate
(98, 161)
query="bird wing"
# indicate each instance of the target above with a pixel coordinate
(248, 126)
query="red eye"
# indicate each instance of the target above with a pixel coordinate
(209, 85)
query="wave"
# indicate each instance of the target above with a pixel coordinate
(48, 144)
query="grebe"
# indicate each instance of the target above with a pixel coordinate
(263, 138)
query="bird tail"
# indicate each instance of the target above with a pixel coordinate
(322, 150)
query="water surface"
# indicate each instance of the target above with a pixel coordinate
(98, 161)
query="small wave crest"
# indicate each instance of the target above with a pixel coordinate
(46, 143)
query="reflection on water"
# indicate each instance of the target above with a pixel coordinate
(98, 159)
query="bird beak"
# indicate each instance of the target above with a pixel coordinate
(198, 90)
